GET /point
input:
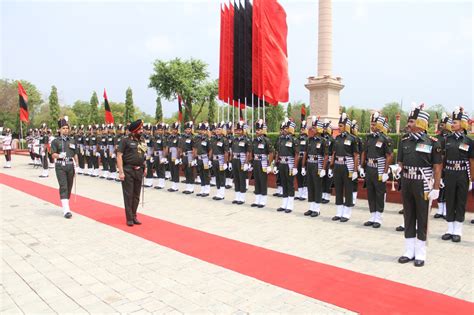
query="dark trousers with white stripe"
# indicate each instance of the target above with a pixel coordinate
(415, 208)
(376, 190)
(456, 187)
(315, 183)
(286, 180)
(344, 186)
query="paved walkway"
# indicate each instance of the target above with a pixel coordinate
(50, 264)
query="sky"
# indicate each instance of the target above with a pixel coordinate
(385, 51)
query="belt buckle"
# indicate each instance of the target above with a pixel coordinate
(411, 171)
(457, 166)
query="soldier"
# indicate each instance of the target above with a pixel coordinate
(7, 147)
(79, 138)
(276, 164)
(219, 149)
(355, 182)
(29, 141)
(315, 160)
(287, 155)
(174, 153)
(345, 158)
(95, 152)
(159, 153)
(44, 150)
(147, 136)
(230, 138)
(64, 150)
(459, 173)
(50, 155)
(102, 143)
(376, 158)
(131, 165)
(262, 156)
(201, 150)
(186, 147)
(326, 180)
(117, 139)
(212, 138)
(444, 128)
(419, 158)
(111, 153)
(240, 162)
(88, 152)
(301, 176)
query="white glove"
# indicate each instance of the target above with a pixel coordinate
(269, 169)
(163, 161)
(275, 170)
(295, 171)
(230, 166)
(303, 171)
(194, 163)
(361, 172)
(113, 156)
(470, 186)
(322, 173)
(434, 194)
(250, 167)
(246, 167)
(62, 155)
(441, 183)
(355, 175)
(224, 167)
(177, 161)
(330, 173)
(209, 163)
(97, 154)
(384, 177)
(152, 160)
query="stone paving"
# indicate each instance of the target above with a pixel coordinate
(53, 265)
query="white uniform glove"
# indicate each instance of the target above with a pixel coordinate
(355, 175)
(97, 154)
(224, 167)
(194, 163)
(322, 173)
(177, 161)
(230, 166)
(163, 161)
(434, 194)
(209, 163)
(275, 170)
(295, 171)
(269, 169)
(303, 171)
(246, 167)
(441, 183)
(330, 173)
(361, 172)
(471, 184)
(152, 160)
(62, 155)
(113, 156)
(384, 177)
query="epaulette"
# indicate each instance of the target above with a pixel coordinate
(433, 138)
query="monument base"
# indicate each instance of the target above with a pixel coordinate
(324, 97)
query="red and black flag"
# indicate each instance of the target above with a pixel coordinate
(24, 116)
(109, 118)
(303, 113)
(180, 109)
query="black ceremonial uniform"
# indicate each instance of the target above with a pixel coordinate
(102, 143)
(219, 147)
(111, 155)
(64, 165)
(345, 146)
(80, 152)
(173, 158)
(287, 150)
(316, 152)
(187, 144)
(300, 178)
(327, 181)
(160, 160)
(240, 148)
(261, 149)
(202, 146)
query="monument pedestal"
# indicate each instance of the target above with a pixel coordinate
(324, 97)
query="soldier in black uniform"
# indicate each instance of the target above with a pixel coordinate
(112, 153)
(189, 160)
(174, 152)
(301, 176)
(159, 143)
(376, 158)
(276, 145)
(230, 138)
(95, 152)
(287, 155)
(240, 162)
(345, 160)
(150, 159)
(64, 150)
(80, 149)
(459, 173)
(131, 165)
(315, 160)
(212, 137)
(326, 180)
(102, 143)
(419, 158)
(262, 157)
(44, 148)
(355, 182)
(201, 150)
(88, 152)
(219, 150)
(444, 128)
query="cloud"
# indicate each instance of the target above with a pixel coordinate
(159, 44)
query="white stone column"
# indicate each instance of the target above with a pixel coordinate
(325, 38)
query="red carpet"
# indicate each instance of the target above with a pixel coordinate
(347, 289)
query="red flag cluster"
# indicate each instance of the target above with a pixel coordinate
(24, 115)
(253, 53)
(109, 118)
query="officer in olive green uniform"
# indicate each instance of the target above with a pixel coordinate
(219, 150)
(444, 128)
(262, 157)
(315, 160)
(64, 150)
(131, 165)
(419, 158)
(459, 173)
(327, 181)
(159, 142)
(345, 160)
(189, 161)
(202, 148)
(376, 158)
(287, 155)
(240, 162)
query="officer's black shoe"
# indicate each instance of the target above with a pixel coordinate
(281, 209)
(228, 187)
(309, 212)
(235, 201)
(302, 199)
(324, 201)
(130, 223)
(456, 238)
(399, 228)
(135, 221)
(68, 215)
(376, 225)
(344, 219)
(199, 195)
(254, 205)
(213, 185)
(419, 263)
(218, 198)
(446, 237)
(288, 211)
(472, 221)
(240, 203)
(204, 195)
(336, 218)
(314, 214)
(405, 259)
(368, 223)
(260, 206)
(438, 216)
(297, 198)
(172, 190)
(110, 178)
(401, 211)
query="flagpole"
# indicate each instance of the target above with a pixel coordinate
(264, 108)
(258, 109)
(245, 114)
(228, 110)
(233, 111)
(253, 109)
(21, 134)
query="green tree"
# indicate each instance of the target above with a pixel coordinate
(158, 110)
(364, 121)
(94, 110)
(212, 111)
(129, 108)
(81, 109)
(54, 110)
(187, 78)
(289, 110)
(390, 110)
(274, 115)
